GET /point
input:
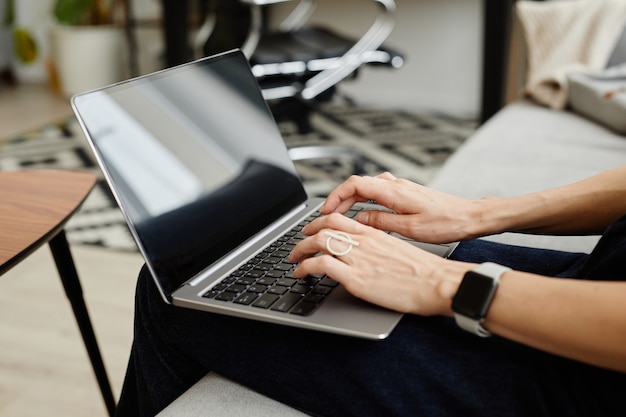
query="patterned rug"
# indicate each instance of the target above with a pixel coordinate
(411, 146)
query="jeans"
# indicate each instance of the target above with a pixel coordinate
(427, 367)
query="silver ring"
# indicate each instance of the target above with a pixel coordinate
(343, 237)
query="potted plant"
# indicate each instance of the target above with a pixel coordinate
(22, 38)
(87, 45)
(83, 12)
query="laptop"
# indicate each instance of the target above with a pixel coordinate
(202, 175)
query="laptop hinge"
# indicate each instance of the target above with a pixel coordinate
(281, 222)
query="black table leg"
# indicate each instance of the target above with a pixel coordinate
(71, 283)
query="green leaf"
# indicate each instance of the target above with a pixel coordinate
(25, 46)
(9, 13)
(72, 12)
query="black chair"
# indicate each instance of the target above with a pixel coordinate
(297, 65)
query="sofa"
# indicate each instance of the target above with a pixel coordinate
(524, 147)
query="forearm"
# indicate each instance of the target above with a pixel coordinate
(581, 320)
(584, 207)
(578, 319)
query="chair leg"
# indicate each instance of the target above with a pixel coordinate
(295, 110)
(298, 110)
(69, 277)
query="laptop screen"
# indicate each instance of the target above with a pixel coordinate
(195, 160)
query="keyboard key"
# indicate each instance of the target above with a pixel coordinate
(281, 253)
(229, 280)
(278, 290)
(284, 266)
(352, 213)
(320, 289)
(236, 288)
(255, 273)
(286, 302)
(288, 247)
(286, 282)
(300, 289)
(314, 298)
(309, 280)
(211, 294)
(246, 298)
(275, 274)
(265, 301)
(328, 282)
(303, 308)
(246, 281)
(226, 296)
(263, 267)
(266, 281)
(257, 288)
(220, 287)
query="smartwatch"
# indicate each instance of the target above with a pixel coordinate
(474, 296)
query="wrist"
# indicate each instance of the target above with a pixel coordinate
(493, 215)
(524, 213)
(449, 278)
(482, 219)
(475, 295)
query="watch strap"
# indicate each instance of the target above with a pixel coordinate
(469, 324)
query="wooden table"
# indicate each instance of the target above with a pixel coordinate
(34, 208)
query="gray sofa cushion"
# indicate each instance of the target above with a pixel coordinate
(526, 148)
(215, 395)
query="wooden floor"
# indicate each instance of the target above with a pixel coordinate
(44, 368)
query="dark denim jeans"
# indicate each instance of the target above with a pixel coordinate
(427, 367)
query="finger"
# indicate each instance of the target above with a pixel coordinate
(333, 221)
(354, 189)
(312, 245)
(386, 176)
(323, 264)
(383, 220)
(316, 230)
(385, 189)
(306, 248)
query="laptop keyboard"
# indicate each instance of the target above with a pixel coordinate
(267, 282)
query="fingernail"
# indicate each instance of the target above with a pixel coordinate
(363, 217)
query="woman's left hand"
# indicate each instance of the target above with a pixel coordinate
(378, 267)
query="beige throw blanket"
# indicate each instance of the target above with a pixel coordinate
(564, 37)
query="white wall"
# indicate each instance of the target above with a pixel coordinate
(150, 43)
(442, 42)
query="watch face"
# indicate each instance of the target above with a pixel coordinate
(474, 295)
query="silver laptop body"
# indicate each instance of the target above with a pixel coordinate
(199, 169)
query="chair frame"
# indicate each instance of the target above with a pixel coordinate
(329, 71)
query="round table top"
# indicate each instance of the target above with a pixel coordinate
(34, 207)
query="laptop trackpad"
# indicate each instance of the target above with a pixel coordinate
(440, 250)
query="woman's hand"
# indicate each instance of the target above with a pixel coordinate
(378, 268)
(421, 213)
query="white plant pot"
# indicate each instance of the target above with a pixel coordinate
(31, 17)
(87, 57)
